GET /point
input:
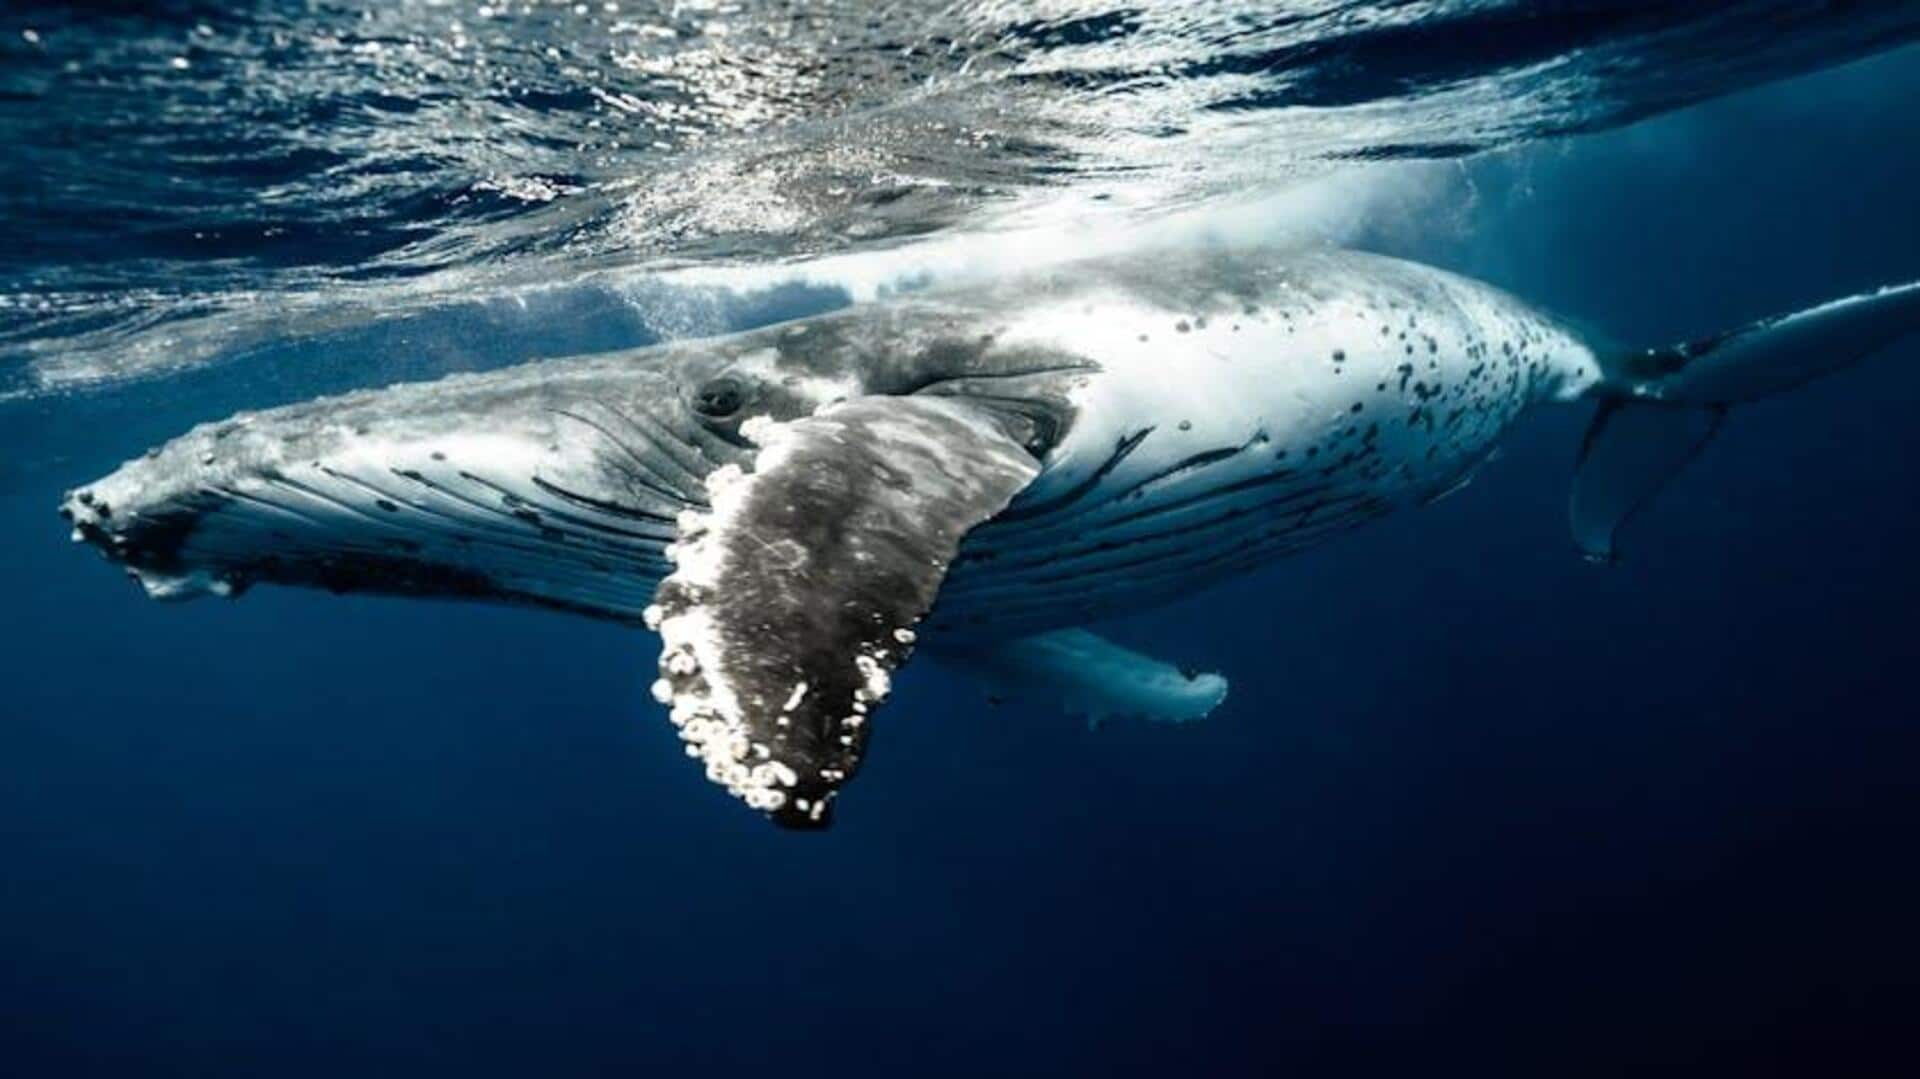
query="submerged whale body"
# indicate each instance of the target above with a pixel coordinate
(796, 509)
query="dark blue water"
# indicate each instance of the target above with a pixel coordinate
(1473, 806)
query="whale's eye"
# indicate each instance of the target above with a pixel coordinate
(719, 398)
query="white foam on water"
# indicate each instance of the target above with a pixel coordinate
(1329, 210)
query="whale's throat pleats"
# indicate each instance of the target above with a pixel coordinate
(797, 596)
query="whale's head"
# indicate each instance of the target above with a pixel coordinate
(553, 485)
(557, 484)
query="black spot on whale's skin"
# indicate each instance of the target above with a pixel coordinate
(1122, 448)
(387, 505)
(1190, 464)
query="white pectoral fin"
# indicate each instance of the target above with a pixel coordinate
(1085, 674)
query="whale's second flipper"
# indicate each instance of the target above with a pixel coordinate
(1660, 407)
(797, 596)
(1087, 675)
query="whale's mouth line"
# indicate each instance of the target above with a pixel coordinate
(630, 463)
(676, 471)
(407, 530)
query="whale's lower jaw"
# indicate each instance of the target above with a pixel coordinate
(421, 523)
(427, 531)
(451, 490)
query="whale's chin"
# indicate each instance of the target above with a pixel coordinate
(561, 503)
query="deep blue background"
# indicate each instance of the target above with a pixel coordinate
(1472, 804)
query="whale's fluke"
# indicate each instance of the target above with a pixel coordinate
(1659, 408)
(795, 599)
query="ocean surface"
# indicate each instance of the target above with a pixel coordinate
(1473, 806)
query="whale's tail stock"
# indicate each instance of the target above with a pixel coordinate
(1660, 407)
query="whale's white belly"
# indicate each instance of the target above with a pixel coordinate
(1223, 432)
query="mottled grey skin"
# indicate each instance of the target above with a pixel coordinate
(355, 493)
(1032, 454)
(358, 492)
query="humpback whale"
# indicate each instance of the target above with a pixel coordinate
(979, 471)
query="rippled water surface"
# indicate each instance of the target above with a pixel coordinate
(185, 180)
